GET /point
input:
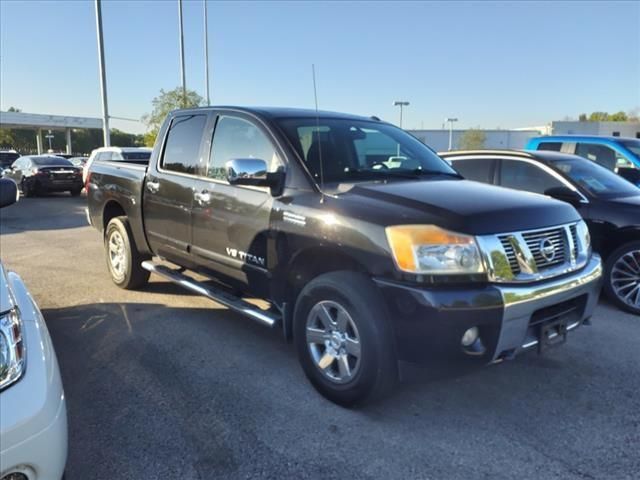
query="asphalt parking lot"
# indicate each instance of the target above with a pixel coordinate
(162, 384)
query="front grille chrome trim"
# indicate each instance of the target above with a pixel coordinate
(517, 257)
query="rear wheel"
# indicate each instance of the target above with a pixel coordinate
(622, 277)
(123, 259)
(343, 338)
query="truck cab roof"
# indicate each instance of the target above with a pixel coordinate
(279, 112)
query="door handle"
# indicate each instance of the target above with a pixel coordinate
(153, 187)
(202, 198)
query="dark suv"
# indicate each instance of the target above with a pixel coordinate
(609, 204)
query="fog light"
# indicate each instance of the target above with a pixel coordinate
(470, 336)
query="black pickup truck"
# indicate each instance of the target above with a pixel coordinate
(365, 246)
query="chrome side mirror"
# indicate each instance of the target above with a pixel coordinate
(247, 171)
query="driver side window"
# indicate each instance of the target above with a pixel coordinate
(236, 138)
(521, 175)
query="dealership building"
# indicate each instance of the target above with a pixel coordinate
(517, 138)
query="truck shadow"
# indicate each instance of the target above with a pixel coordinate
(55, 211)
(182, 389)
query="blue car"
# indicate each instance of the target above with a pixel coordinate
(618, 154)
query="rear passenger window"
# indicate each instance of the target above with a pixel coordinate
(476, 169)
(237, 138)
(521, 175)
(600, 154)
(182, 149)
(551, 146)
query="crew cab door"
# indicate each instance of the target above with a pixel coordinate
(168, 188)
(231, 224)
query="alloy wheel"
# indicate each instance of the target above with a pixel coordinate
(625, 278)
(333, 341)
(117, 254)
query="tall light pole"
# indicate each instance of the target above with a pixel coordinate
(206, 54)
(450, 120)
(400, 104)
(103, 76)
(182, 74)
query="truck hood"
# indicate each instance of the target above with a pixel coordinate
(463, 206)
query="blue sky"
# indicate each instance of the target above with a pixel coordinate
(491, 64)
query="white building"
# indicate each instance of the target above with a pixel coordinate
(608, 129)
(510, 139)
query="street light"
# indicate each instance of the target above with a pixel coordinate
(450, 120)
(103, 76)
(182, 74)
(400, 104)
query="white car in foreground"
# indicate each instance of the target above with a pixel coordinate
(33, 413)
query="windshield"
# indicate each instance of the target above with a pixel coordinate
(50, 161)
(356, 150)
(136, 155)
(595, 179)
(633, 145)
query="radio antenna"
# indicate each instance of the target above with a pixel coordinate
(315, 96)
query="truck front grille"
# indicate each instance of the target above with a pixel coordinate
(555, 239)
(534, 254)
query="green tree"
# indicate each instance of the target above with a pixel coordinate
(599, 117)
(605, 117)
(472, 139)
(164, 103)
(618, 117)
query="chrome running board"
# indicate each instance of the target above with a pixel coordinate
(270, 319)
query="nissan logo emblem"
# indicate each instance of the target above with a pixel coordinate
(547, 249)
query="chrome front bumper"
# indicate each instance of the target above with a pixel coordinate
(522, 301)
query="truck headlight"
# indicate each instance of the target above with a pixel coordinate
(584, 238)
(427, 249)
(12, 354)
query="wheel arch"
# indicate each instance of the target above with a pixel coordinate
(619, 238)
(111, 210)
(303, 267)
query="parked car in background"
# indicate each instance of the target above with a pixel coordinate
(137, 155)
(45, 173)
(33, 413)
(367, 247)
(7, 157)
(618, 154)
(609, 204)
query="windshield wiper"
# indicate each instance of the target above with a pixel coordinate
(399, 173)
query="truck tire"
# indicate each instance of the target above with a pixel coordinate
(75, 192)
(123, 259)
(343, 338)
(622, 277)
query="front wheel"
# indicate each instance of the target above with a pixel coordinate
(622, 277)
(75, 192)
(123, 259)
(343, 338)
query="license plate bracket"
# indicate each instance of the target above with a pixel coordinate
(551, 334)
